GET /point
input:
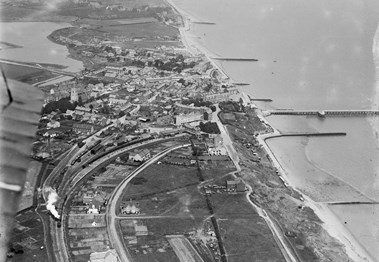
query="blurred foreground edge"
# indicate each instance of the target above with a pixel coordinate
(18, 125)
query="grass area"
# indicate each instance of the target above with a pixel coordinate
(182, 202)
(247, 121)
(216, 169)
(248, 239)
(245, 235)
(148, 30)
(161, 178)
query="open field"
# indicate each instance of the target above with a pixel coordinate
(160, 178)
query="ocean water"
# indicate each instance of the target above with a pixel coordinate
(32, 36)
(315, 54)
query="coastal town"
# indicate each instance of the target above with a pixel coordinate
(151, 152)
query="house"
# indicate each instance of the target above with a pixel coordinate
(53, 124)
(140, 156)
(217, 151)
(235, 185)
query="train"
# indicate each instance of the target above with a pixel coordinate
(89, 148)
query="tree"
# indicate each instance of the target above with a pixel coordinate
(80, 101)
(213, 108)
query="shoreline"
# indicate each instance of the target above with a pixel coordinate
(331, 223)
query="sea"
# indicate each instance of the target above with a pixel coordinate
(312, 55)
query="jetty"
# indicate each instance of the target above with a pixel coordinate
(235, 59)
(324, 113)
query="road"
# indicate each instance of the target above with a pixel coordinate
(228, 143)
(111, 216)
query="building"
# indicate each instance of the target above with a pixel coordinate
(235, 185)
(140, 156)
(192, 117)
(84, 128)
(217, 151)
(219, 97)
(105, 256)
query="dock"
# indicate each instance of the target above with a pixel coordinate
(324, 113)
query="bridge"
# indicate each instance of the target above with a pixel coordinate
(38, 66)
(324, 113)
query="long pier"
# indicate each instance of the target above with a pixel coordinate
(235, 59)
(324, 113)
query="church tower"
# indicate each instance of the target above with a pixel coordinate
(74, 97)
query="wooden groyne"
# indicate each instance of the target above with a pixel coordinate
(235, 59)
(316, 134)
(308, 134)
(261, 99)
(354, 203)
(241, 84)
(203, 23)
(324, 113)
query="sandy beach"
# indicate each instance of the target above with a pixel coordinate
(331, 223)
